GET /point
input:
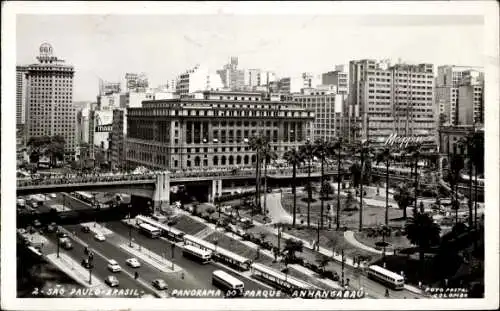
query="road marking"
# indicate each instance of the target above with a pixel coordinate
(158, 293)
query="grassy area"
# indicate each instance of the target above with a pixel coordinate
(189, 225)
(394, 241)
(372, 215)
(331, 239)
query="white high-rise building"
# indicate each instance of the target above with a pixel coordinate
(21, 84)
(50, 110)
(198, 79)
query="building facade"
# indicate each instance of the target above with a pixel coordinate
(295, 84)
(328, 111)
(471, 98)
(50, 109)
(212, 132)
(231, 77)
(197, 79)
(337, 78)
(448, 80)
(118, 139)
(21, 85)
(393, 100)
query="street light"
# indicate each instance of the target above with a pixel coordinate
(343, 268)
(129, 226)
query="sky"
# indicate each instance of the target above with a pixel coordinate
(163, 46)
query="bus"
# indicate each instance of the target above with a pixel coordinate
(387, 277)
(219, 253)
(227, 282)
(85, 197)
(203, 256)
(170, 232)
(279, 279)
(149, 230)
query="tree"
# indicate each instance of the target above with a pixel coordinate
(413, 152)
(386, 155)
(268, 155)
(355, 175)
(456, 165)
(322, 151)
(291, 247)
(257, 144)
(403, 198)
(294, 158)
(362, 151)
(336, 150)
(307, 151)
(323, 261)
(423, 232)
(326, 189)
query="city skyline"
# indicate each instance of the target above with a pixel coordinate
(165, 46)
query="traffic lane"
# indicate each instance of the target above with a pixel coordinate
(202, 272)
(146, 272)
(77, 253)
(101, 267)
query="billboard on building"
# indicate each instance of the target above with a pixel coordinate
(110, 88)
(135, 81)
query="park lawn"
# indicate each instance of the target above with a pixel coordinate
(397, 242)
(331, 239)
(372, 215)
(188, 225)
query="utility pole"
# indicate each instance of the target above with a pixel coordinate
(343, 268)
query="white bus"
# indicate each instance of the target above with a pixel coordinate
(385, 276)
(85, 197)
(229, 283)
(149, 230)
(170, 232)
(203, 256)
(279, 279)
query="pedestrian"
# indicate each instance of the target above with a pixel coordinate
(136, 275)
(420, 284)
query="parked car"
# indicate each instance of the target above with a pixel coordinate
(112, 281)
(85, 229)
(133, 262)
(37, 223)
(113, 266)
(53, 195)
(100, 237)
(52, 227)
(160, 284)
(67, 244)
(86, 263)
(61, 234)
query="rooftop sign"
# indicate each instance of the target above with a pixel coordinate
(403, 141)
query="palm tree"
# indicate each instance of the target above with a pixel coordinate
(321, 151)
(456, 165)
(294, 158)
(478, 162)
(307, 151)
(257, 143)
(363, 152)
(413, 152)
(403, 198)
(269, 155)
(337, 150)
(386, 155)
(423, 232)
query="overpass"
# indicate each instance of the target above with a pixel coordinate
(157, 185)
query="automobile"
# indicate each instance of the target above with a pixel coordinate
(63, 240)
(133, 262)
(85, 229)
(160, 284)
(113, 266)
(112, 281)
(37, 223)
(86, 263)
(53, 195)
(61, 234)
(100, 237)
(52, 227)
(67, 244)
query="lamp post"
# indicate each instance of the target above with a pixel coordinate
(58, 246)
(129, 226)
(343, 268)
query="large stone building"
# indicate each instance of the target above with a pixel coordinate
(212, 130)
(393, 100)
(471, 98)
(118, 139)
(50, 109)
(328, 107)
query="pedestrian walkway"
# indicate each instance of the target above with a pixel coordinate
(74, 270)
(276, 211)
(151, 258)
(349, 237)
(35, 239)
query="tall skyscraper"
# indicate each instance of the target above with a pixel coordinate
(232, 77)
(337, 78)
(21, 84)
(471, 98)
(393, 100)
(50, 110)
